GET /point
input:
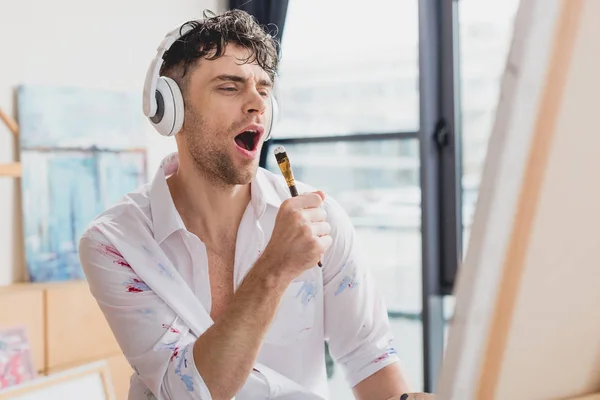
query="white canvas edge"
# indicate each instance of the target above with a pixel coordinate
(517, 111)
(96, 367)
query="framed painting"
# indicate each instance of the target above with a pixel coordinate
(81, 151)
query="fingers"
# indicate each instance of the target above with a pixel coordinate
(324, 242)
(314, 214)
(320, 228)
(308, 200)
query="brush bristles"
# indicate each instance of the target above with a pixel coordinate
(279, 149)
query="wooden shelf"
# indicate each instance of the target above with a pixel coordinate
(588, 397)
(65, 328)
(9, 122)
(10, 169)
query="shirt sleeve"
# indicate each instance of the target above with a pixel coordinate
(356, 320)
(157, 344)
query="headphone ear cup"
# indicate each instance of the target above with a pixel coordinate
(274, 116)
(168, 119)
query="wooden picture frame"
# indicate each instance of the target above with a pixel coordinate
(526, 320)
(90, 382)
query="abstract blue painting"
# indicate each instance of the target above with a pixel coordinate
(81, 151)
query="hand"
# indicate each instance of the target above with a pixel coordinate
(301, 234)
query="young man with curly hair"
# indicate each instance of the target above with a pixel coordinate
(208, 274)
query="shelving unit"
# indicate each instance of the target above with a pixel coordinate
(65, 325)
(10, 169)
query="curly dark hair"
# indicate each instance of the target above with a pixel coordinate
(209, 37)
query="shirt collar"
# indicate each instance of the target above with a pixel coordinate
(263, 193)
(166, 219)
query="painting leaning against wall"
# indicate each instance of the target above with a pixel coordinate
(81, 151)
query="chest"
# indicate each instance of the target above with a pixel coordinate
(221, 277)
(217, 267)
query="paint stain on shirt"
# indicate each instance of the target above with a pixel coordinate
(164, 271)
(171, 329)
(347, 282)
(112, 252)
(308, 291)
(135, 285)
(388, 352)
(185, 378)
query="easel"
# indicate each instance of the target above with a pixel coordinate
(10, 169)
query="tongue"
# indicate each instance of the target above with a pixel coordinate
(240, 142)
(245, 140)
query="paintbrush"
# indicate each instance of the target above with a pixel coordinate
(286, 169)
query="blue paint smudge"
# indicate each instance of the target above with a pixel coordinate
(186, 379)
(348, 282)
(167, 345)
(164, 270)
(308, 291)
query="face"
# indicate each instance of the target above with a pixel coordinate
(226, 113)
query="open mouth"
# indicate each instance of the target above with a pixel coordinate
(247, 140)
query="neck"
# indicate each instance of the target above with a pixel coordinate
(210, 210)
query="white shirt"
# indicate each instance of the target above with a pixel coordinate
(338, 302)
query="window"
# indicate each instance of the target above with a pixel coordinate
(347, 69)
(349, 98)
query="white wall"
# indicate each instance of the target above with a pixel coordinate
(103, 44)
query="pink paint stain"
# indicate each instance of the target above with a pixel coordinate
(136, 286)
(175, 353)
(174, 330)
(383, 357)
(111, 251)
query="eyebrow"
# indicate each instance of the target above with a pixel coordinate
(239, 79)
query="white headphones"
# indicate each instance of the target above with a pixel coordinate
(162, 98)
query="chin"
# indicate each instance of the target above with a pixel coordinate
(246, 175)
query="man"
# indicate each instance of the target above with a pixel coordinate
(208, 275)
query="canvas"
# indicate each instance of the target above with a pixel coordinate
(525, 325)
(81, 151)
(16, 360)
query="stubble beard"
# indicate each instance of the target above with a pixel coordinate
(211, 159)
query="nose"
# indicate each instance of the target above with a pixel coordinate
(256, 104)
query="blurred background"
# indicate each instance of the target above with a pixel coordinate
(387, 106)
